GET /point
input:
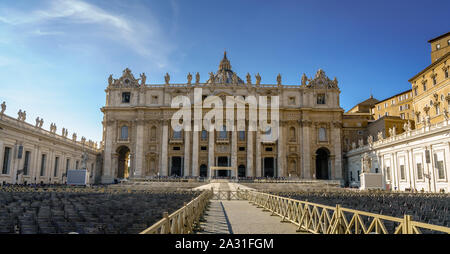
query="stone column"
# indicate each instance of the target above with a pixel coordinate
(306, 144)
(280, 151)
(258, 168)
(35, 166)
(139, 156)
(210, 151)
(234, 151)
(164, 158)
(108, 176)
(411, 175)
(195, 168)
(336, 140)
(187, 153)
(249, 167)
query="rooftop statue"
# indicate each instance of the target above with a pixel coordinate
(380, 136)
(304, 79)
(167, 78)
(234, 78)
(143, 78)
(279, 79)
(197, 78)
(37, 121)
(249, 79)
(41, 122)
(360, 143)
(189, 78)
(211, 77)
(3, 108)
(370, 140)
(258, 79)
(19, 115)
(110, 80)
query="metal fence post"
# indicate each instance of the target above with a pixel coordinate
(407, 227)
(166, 223)
(338, 220)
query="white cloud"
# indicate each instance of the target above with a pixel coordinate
(144, 38)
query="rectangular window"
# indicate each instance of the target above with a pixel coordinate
(241, 135)
(204, 134)
(55, 171)
(26, 163)
(291, 100)
(67, 165)
(176, 148)
(388, 173)
(321, 98)
(269, 149)
(402, 172)
(6, 160)
(359, 179)
(419, 171)
(401, 161)
(76, 165)
(439, 164)
(241, 148)
(126, 97)
(43, 162)
(203, 148)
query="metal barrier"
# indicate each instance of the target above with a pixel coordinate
(183, 220)
(322, 219)
(226, 195)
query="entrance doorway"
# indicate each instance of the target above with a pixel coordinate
(241, 171)
(203, 170)
(124, 162)
(322, 160)
(269, 167)
(175, 170)
(222, 162)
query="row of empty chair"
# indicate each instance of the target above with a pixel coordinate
(57, 209)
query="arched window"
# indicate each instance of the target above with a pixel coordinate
(124, 132)
(292, 133)
(223, 132)
(153, 132)
(241, 135)
(177, 134)
(322, 134)
(204, 134)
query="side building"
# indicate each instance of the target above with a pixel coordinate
(29, 154)
(416, 154)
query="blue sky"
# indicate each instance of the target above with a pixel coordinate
(56, 56)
